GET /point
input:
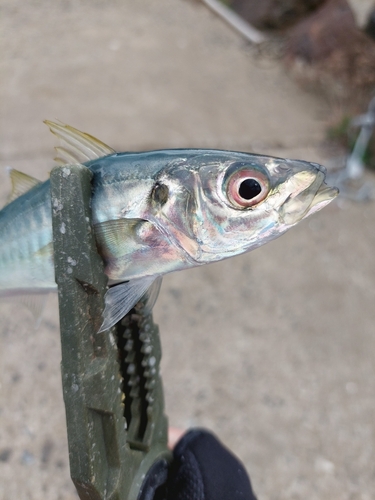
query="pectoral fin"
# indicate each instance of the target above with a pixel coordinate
(152, 294)
(114, 236)
(121, 298)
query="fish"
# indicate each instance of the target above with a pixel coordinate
(156, 212)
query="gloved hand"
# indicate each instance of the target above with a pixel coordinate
(202, 469)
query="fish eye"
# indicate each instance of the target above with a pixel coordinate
(247, 187)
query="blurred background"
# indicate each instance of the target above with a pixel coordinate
(274, 350)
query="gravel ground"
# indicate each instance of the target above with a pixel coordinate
(274, 350)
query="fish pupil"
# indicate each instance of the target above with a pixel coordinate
(249, 189)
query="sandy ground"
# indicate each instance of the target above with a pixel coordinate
(274, 350)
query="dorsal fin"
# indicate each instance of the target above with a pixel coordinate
(21, 183)
(77, 147)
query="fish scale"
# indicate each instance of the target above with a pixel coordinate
(28, 231)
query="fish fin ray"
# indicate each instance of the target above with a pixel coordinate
(46, 251)
(33, 302)
(77, 146)
(152, 294)
(21, 183)
(120, 299)
(113, 235)
(67, 156)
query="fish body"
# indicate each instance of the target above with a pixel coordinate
(161, 211)
(26, 250)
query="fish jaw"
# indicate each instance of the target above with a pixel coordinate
(323, 197)
(310, 195)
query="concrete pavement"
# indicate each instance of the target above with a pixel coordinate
(273, 351)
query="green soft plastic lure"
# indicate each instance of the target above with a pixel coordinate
(156, 212)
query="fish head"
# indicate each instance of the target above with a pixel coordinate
(220, 204)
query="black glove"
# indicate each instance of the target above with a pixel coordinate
(202, 469)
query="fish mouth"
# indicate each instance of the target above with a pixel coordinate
(308, 195)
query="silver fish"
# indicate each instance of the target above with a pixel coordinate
(157, 212)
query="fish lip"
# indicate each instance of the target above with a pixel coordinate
(324, 195)
(309, 200)
(326, 191)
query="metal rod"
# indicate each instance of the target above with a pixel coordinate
(249, 32)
